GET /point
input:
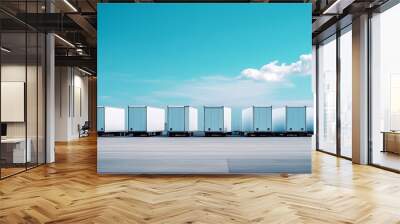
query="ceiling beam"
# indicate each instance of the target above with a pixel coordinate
(86, 26)
(77, 61)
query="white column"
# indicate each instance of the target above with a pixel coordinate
(360, 90)
(50, 92)
(50, 99)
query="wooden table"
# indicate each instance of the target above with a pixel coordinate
(391, 141)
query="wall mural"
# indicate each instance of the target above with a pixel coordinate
(172, 75)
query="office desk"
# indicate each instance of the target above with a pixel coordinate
(15, 148)
(391, 141)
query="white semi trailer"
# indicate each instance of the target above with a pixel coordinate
(289, 120)
(145, 120)
(217, 120)
(257, 120)
(181, 120)
(310, 120)
(110, 120)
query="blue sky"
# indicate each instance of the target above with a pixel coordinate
(236, 55)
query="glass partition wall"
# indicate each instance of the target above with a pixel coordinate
(22, 77)
(334, 113)
(13, 109)
(385, 89)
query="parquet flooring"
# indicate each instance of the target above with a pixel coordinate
(70, 191)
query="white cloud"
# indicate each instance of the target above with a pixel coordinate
(220, 90)
(275, 71)
(268, 85)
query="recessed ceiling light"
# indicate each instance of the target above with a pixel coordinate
(64, 40)
(337, 7)
(5, 50)
(70, 5)
(84, 71)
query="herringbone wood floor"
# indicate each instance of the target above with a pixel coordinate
(70, 191)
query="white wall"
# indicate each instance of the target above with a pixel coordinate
(62, 82)
(71, 86)
(80, 109)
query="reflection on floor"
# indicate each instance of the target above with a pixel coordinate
(11, 169)
(201, 155)
(387, 159)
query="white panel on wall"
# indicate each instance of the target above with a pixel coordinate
(12, 101)
(77, 102)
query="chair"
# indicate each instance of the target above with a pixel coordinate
(84, 130)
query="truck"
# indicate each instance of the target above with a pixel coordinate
(181, 120)
(310, 120)
(110, 120)
(217, 120)
(257, 121)
(289, 121)
(145, 120)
